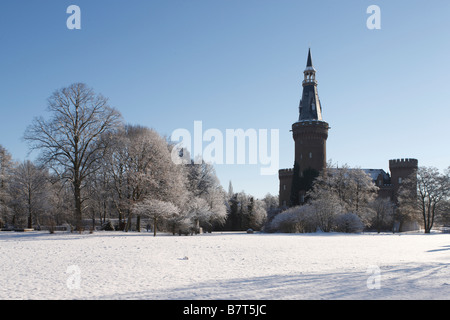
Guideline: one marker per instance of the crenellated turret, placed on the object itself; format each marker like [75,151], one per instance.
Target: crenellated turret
[401,170]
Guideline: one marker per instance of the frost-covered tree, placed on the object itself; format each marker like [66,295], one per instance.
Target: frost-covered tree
[31,192]
[270,202]
[198,211]
[363,192]
[140,167]
[217,209]
[201,177]
[258,215]
[6,166]
[70,140]
[430,196]
[326,206]
[202,183]
[156,210]
[230,190]
[353,189]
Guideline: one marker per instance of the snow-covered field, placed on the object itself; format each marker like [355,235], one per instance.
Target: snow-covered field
[117,265]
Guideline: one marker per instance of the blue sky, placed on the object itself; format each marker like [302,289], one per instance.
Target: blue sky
[238,64]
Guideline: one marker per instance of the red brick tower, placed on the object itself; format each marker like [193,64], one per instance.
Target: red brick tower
[310,134]
[402,170]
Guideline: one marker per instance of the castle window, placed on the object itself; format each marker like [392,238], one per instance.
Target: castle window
[284,187]
[399,180]
[310,155]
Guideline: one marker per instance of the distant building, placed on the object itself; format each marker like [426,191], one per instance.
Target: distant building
[310,135]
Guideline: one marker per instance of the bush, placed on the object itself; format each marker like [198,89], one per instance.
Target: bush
[107,226]
[348,223]
[297,219]
[286,222]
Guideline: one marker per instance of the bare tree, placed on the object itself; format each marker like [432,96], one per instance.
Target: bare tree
[201,178]
[445,207]
[433,191]
[70,141]
[99,202]
[5,174]
[30,186]
[115,166]
[384,214]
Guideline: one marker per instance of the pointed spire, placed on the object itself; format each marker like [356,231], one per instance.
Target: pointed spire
[310,108]
[309,63]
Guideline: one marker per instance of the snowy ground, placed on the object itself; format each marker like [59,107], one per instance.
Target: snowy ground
[116,265]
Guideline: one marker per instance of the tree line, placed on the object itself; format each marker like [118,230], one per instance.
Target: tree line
[346,200]
[93,167]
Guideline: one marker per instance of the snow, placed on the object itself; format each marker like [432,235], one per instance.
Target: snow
[117,265]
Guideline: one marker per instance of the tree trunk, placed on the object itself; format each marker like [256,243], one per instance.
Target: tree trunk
[128,225]
[30,211]
[138,223]
[154,227]
[78,213]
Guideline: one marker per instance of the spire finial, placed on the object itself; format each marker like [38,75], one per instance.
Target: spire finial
[309,63]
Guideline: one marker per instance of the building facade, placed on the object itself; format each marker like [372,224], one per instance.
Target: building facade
[310,135]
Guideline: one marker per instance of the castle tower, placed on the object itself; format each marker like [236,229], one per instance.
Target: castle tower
[310,134]
[401,170]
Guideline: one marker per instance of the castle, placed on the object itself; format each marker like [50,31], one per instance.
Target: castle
[310,135]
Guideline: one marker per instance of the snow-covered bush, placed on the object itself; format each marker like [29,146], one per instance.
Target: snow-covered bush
[348,223]
[286,222]
[293,220]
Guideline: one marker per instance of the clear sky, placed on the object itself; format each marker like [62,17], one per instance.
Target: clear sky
[238,64]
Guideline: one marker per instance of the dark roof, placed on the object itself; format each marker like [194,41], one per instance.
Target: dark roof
[310,107]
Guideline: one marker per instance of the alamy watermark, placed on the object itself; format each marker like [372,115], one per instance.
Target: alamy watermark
[374,20]
[74,20]
[236,146]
